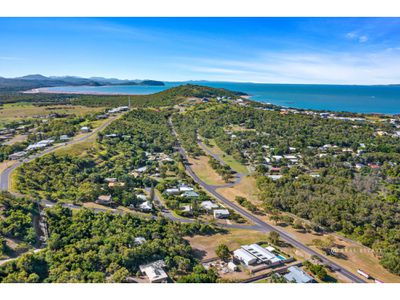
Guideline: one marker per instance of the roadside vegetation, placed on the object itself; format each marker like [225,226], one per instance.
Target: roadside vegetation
[100,247]
[342,176]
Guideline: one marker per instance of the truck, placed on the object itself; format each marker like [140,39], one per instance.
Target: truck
[362,273]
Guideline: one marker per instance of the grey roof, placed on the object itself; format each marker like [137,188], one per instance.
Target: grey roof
[298,275]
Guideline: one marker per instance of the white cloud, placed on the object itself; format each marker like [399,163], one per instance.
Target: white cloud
[361,38]
[284,67]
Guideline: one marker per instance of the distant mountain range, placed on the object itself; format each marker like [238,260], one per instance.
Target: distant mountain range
[38,81]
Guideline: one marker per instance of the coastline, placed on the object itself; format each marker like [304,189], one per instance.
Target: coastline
[46,90]
[248,97]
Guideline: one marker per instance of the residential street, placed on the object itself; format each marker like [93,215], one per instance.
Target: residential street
[261,224]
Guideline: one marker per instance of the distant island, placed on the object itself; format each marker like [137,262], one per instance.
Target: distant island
[39,81]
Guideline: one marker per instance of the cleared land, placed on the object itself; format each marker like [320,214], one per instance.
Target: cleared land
[228,159]
[17,139]
[16,111]
[204,246]
[206,173]
[245,188]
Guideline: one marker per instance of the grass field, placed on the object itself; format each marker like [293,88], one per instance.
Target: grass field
[205,245]
[203,169]
[17,111]
[228,159]
[246,188]
[79,148]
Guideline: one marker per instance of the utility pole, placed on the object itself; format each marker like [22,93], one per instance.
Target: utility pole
[129,101]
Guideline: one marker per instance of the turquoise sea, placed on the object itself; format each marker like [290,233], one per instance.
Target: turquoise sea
[352,98]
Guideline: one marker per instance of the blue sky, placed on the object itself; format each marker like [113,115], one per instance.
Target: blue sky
[276,50]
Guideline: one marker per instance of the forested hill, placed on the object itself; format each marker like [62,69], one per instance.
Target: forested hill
[38,81]
[168,97]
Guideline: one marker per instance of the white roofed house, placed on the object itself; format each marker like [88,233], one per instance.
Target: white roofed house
[85,129]
[298,275]
[255,254]
[146,206]
[139,240]
[186,209]
[64,137]
[262,254]
[185,188]
[244,257]
[104,200]
[221,213]
[190,194]
[172,191]
[142,197]
[17,155]
[154,271]
[208,205]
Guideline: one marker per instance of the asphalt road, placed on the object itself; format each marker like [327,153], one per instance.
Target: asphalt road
[259,224]
[6,174]
[265,227]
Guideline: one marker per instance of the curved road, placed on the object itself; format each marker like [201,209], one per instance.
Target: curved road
[263,226]
[6,174]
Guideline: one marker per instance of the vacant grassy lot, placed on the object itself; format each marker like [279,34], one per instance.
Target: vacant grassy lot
[228,159]
[245,188]
[16,111]
[203,169]
[204,246]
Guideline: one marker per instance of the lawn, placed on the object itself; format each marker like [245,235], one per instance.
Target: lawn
[228,159]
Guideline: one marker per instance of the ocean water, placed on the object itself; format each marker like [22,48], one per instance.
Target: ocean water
[352,98]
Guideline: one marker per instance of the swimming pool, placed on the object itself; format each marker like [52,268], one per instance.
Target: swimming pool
[280,257]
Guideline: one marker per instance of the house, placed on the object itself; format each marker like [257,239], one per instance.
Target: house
[221,213]
[17,155]
[104,200]
[232,266]
[373,166]
[172,191]
[116,184]
[110,179]
[277,157]
[244,257]
[142,197]
[185,188]
[262,254]
[270,249]
[190,194]
[359,166]
[154,271]
[187,209]
[141,170]
[146,206]
[275,177]
[103,116]
[85,129]
[64,137]
[298,275]
[208,205]
[41,144]
[139,240]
